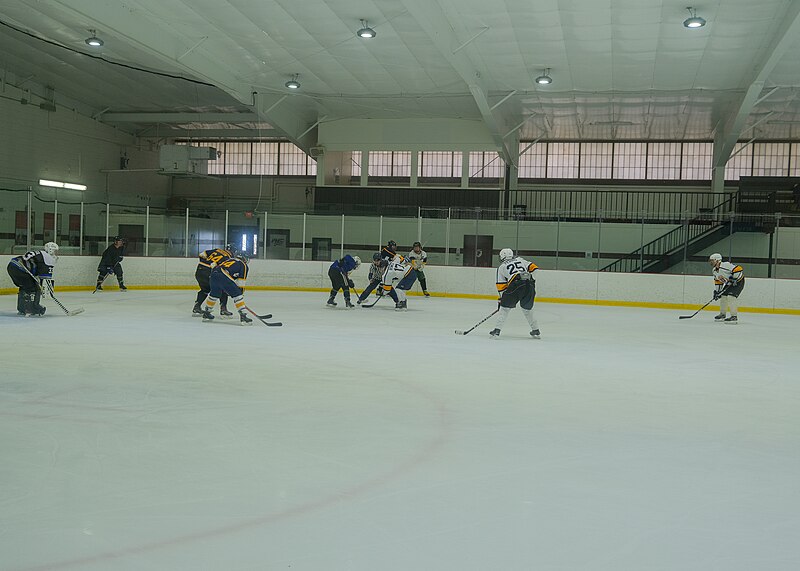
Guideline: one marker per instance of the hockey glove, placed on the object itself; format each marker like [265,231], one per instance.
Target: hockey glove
[717,295]
[351,284]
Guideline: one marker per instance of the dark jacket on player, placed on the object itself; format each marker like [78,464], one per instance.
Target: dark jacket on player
[344,265]
[111,256]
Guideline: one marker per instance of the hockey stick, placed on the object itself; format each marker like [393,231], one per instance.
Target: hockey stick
[696,312]
[458,332]
[263,318]
[52,295]
[374,302]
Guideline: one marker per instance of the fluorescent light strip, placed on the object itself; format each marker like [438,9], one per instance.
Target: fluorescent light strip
[58,184]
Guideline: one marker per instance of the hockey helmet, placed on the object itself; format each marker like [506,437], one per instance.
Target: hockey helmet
[392,245]
[714,259]
[357,260]
[376,256]
[242,256]
[416,244]
[51,248]
[118,239]
[506,254]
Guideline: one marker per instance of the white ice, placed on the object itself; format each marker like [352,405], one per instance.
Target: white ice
[135,437]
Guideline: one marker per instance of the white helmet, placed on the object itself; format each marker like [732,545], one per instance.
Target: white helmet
[51,248]
[506,254]
[715,258]
[357,260]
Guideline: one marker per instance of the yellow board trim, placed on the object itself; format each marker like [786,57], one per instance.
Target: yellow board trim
[561,300]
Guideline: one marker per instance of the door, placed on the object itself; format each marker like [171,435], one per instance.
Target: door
[133,234]
[277,245]
[244,239]
[478,251]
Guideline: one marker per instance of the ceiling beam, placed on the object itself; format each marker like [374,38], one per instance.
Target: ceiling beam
[730,128]
[247,117]
[197,59]
[176,133]
[431,18]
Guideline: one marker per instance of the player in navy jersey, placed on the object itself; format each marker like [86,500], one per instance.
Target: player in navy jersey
[515,284]
[111,263]
[207,261]
[26,270]
[228,277]
[339,274]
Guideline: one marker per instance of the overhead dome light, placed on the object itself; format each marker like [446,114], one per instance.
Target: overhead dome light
[93,40]
[545,78]
[693,21]
[293,83]
[365,31]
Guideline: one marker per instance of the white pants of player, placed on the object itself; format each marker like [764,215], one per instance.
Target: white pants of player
[528,313]
[728,303]
[390,278]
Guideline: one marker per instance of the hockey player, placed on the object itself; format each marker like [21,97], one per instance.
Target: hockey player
[375,275]
[111,263]
[207,261]
[28,269]
[228,277]
[515,284]
[396,271]
[419,259]
[728,284]
[389,251]
[339,274]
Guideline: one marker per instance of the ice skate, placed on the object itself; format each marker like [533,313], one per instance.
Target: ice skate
[207,315]
[425,293]
[495,333]
[197,310]
[732,320]
[400,306]
[244,319]
[223,312]
[720,317]
[122,287]
[535,334]
[331,303]
[348,305]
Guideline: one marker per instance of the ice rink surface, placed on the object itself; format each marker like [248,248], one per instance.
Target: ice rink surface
[135,437]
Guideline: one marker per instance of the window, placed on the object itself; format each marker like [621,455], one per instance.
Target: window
[696,161]
[439,164]
[533,161]
[292,160]
[664,161]
[265,158]
[770,159]
[380,163]
[596,160]
[562,160]
[740,164]
[237,158]
[630,161]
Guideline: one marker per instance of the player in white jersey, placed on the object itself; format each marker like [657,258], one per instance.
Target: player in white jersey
[32,273]
[728,284]
[395,271]
[418,260]
[515,284]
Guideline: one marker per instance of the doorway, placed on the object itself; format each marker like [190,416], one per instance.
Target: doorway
[478,251]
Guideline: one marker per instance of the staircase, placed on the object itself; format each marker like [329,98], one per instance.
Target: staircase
[686,240]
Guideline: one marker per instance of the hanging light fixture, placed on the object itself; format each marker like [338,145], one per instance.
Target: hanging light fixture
[365,31]
[93,40]
[545,78]
[293,83]
[693,21]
